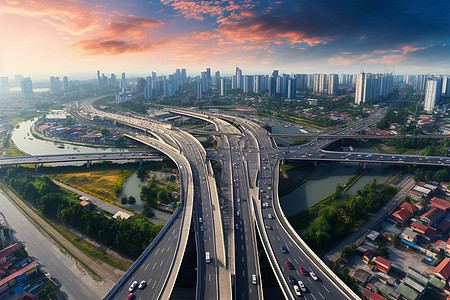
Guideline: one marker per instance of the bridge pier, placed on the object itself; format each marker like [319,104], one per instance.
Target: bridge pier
[141,161]
[363,165]
[88,164]
[36,167]
[315,163]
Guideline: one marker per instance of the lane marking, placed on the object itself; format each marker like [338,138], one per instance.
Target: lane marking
[278,237]
[146,267]
[296,261]
[157,250]
[300,258]
[321,295]
[313,296]
[154,266]
[161,263]
[156,282]
[83,292]
[326,288]
[168,249]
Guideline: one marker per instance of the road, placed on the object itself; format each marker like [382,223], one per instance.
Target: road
[75,283]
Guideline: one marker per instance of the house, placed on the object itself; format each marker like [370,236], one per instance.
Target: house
[440,203]
[442,271]
[361,276]
[382,264]
[371,295]
[408,206]
[17,277]
[406,292]
[430,233]
[415,195]
[425,191]
[447,247]
[443,226]
[402,215]
[368,255]
[440,245]
[419,206]
[432,215]
[418,227]
[409,235]
[8,252]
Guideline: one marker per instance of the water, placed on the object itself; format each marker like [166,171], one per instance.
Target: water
[37,90]
[25,141]
[324,181]
[132,187]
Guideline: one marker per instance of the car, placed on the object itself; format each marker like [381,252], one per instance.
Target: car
[313,276]
[291,279]
[268,227]
[297,291]
[270,216]
[238,213]
[133,286]
[254,279]
[265,204]
[237,226]
[303,271]
[130,296]
[142,285]
[202,228]
[283,249]
[289,265]
[200,220]
[302,286]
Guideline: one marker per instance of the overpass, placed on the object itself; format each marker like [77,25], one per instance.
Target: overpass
[357,136]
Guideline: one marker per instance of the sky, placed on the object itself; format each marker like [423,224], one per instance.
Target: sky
[41,38]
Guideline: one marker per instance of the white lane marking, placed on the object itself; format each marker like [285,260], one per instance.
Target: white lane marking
[173,231]
[83,292]
[163,249]
[300,258]
[161,263]
[169,238]
[278,237]
[168,249]
[154,284]
[313,296]
[290,243]
[68,277]
[321,295]
[296,261]
[326,288]
[154,266]
[157,250]
[209,277]
[309,280]
[146,267]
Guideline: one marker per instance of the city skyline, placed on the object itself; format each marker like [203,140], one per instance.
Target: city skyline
[70,37]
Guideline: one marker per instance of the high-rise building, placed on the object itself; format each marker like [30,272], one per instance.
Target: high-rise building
[291,88]
[248,83]
[27,87]
[320,83]
[183,75]
[217,79]
[99,81]
[141,84]
[257,84]
[273,85]
[113,80]
[208,73]
[199,91]
[65,83]
[55,85]
[18,78]
[445,86]
[333,81]
[223,87]
[302,81]
[4,83]
[148,88]
[238,78]
[123,96]
[123,82]
[432,93]
[372,86]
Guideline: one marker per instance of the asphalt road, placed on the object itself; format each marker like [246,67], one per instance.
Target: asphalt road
[75,283]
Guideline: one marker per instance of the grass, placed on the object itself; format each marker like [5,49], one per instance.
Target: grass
[102,183]
[286,167]
[11,149]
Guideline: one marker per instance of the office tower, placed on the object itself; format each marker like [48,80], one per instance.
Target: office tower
[27,87]
[223,87]
[183,75]
[272,85]
[291,88]
[113,79]
[99,81]
[257,84]
[360,91]
[208,73]
[18,80]
[233,82]
[445,85]
[4,83]
[148,88]
[238,78]
[154,76]
[247,83]
[333,81]
[123,82]
[141,84]
[199,91]
[275,73]
[177,74]
[55,85]
[217,79]
[386,84]
[65,83]
[421,82]
[311,80]
[432,93]
[372,86]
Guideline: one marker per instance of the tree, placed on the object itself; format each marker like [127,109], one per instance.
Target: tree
[105,132]
[124,200]
[141,173]
[395,239]
[131,200]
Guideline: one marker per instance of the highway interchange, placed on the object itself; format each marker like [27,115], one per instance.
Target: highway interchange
[250,160]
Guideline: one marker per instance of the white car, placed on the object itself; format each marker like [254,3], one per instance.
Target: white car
[297,291]
[133,286]
[313,276]
[270,216]
[302,286]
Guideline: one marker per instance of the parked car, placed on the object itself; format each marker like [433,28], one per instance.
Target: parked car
[133,286]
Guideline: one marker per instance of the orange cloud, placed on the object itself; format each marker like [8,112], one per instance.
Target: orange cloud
[131,26]
[69,16]
[116,47]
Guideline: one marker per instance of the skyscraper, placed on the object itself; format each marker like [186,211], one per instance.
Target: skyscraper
[432,93]
[183,75]
[372,86]
[65,83]
[223,87]
[27,87]
[217,79]
[238,78]
[291,88]
[333,80]
[148,88]
[123,82]
[113,80]
[18,80]
[199,91]
[4,83]
[55,85]
[445,85]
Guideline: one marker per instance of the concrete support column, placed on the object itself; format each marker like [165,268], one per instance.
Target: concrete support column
[141,161]
[88,164]
[364,166]
[315,163]
[36,167]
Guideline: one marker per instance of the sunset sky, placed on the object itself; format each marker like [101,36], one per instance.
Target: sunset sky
[40,38]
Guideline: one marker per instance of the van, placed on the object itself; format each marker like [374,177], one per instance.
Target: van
[200,220]
[208,258]
[254,279]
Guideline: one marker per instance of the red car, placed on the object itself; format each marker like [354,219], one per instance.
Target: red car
[303,271]
[130,296]
[289,265]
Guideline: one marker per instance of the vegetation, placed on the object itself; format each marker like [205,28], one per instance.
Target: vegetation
[210,143]
[155,193]
[429,174]
[48,292]
[339,217]
[301,142]
[399,116]
[10,148]
[431,147]
[129,237]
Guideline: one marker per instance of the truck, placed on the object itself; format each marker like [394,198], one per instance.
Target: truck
[208,258]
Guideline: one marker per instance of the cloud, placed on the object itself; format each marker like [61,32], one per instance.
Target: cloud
[69,16]
[131,26]
[116,47]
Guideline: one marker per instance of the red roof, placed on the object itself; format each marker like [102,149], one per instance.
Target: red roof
[383,262]
[440,203]
[18,273]
[420,227]
[415,193]
[430,232]
[408,206]
[371,295]
[432,214]
[84,203]
[402,215]
[443,226]
[421,183]
[9,250]
[443,268]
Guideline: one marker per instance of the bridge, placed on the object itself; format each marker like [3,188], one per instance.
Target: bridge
[357,136]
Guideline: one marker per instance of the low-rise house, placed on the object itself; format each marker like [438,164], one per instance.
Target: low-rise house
[361,276]
[368,255]
[17,277]
[423,190]
[442,271]
[371,295]
[382,264]
[415,194]
[440,203]
[409,207]
[443,226]
[8,253]
[440,245]
[419,228]
[432,215]
[402,215]
[409,235]
[406,292]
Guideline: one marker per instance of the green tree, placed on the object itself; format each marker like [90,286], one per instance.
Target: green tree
[131,200]
[141,173]
[124,200]
[395,239]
